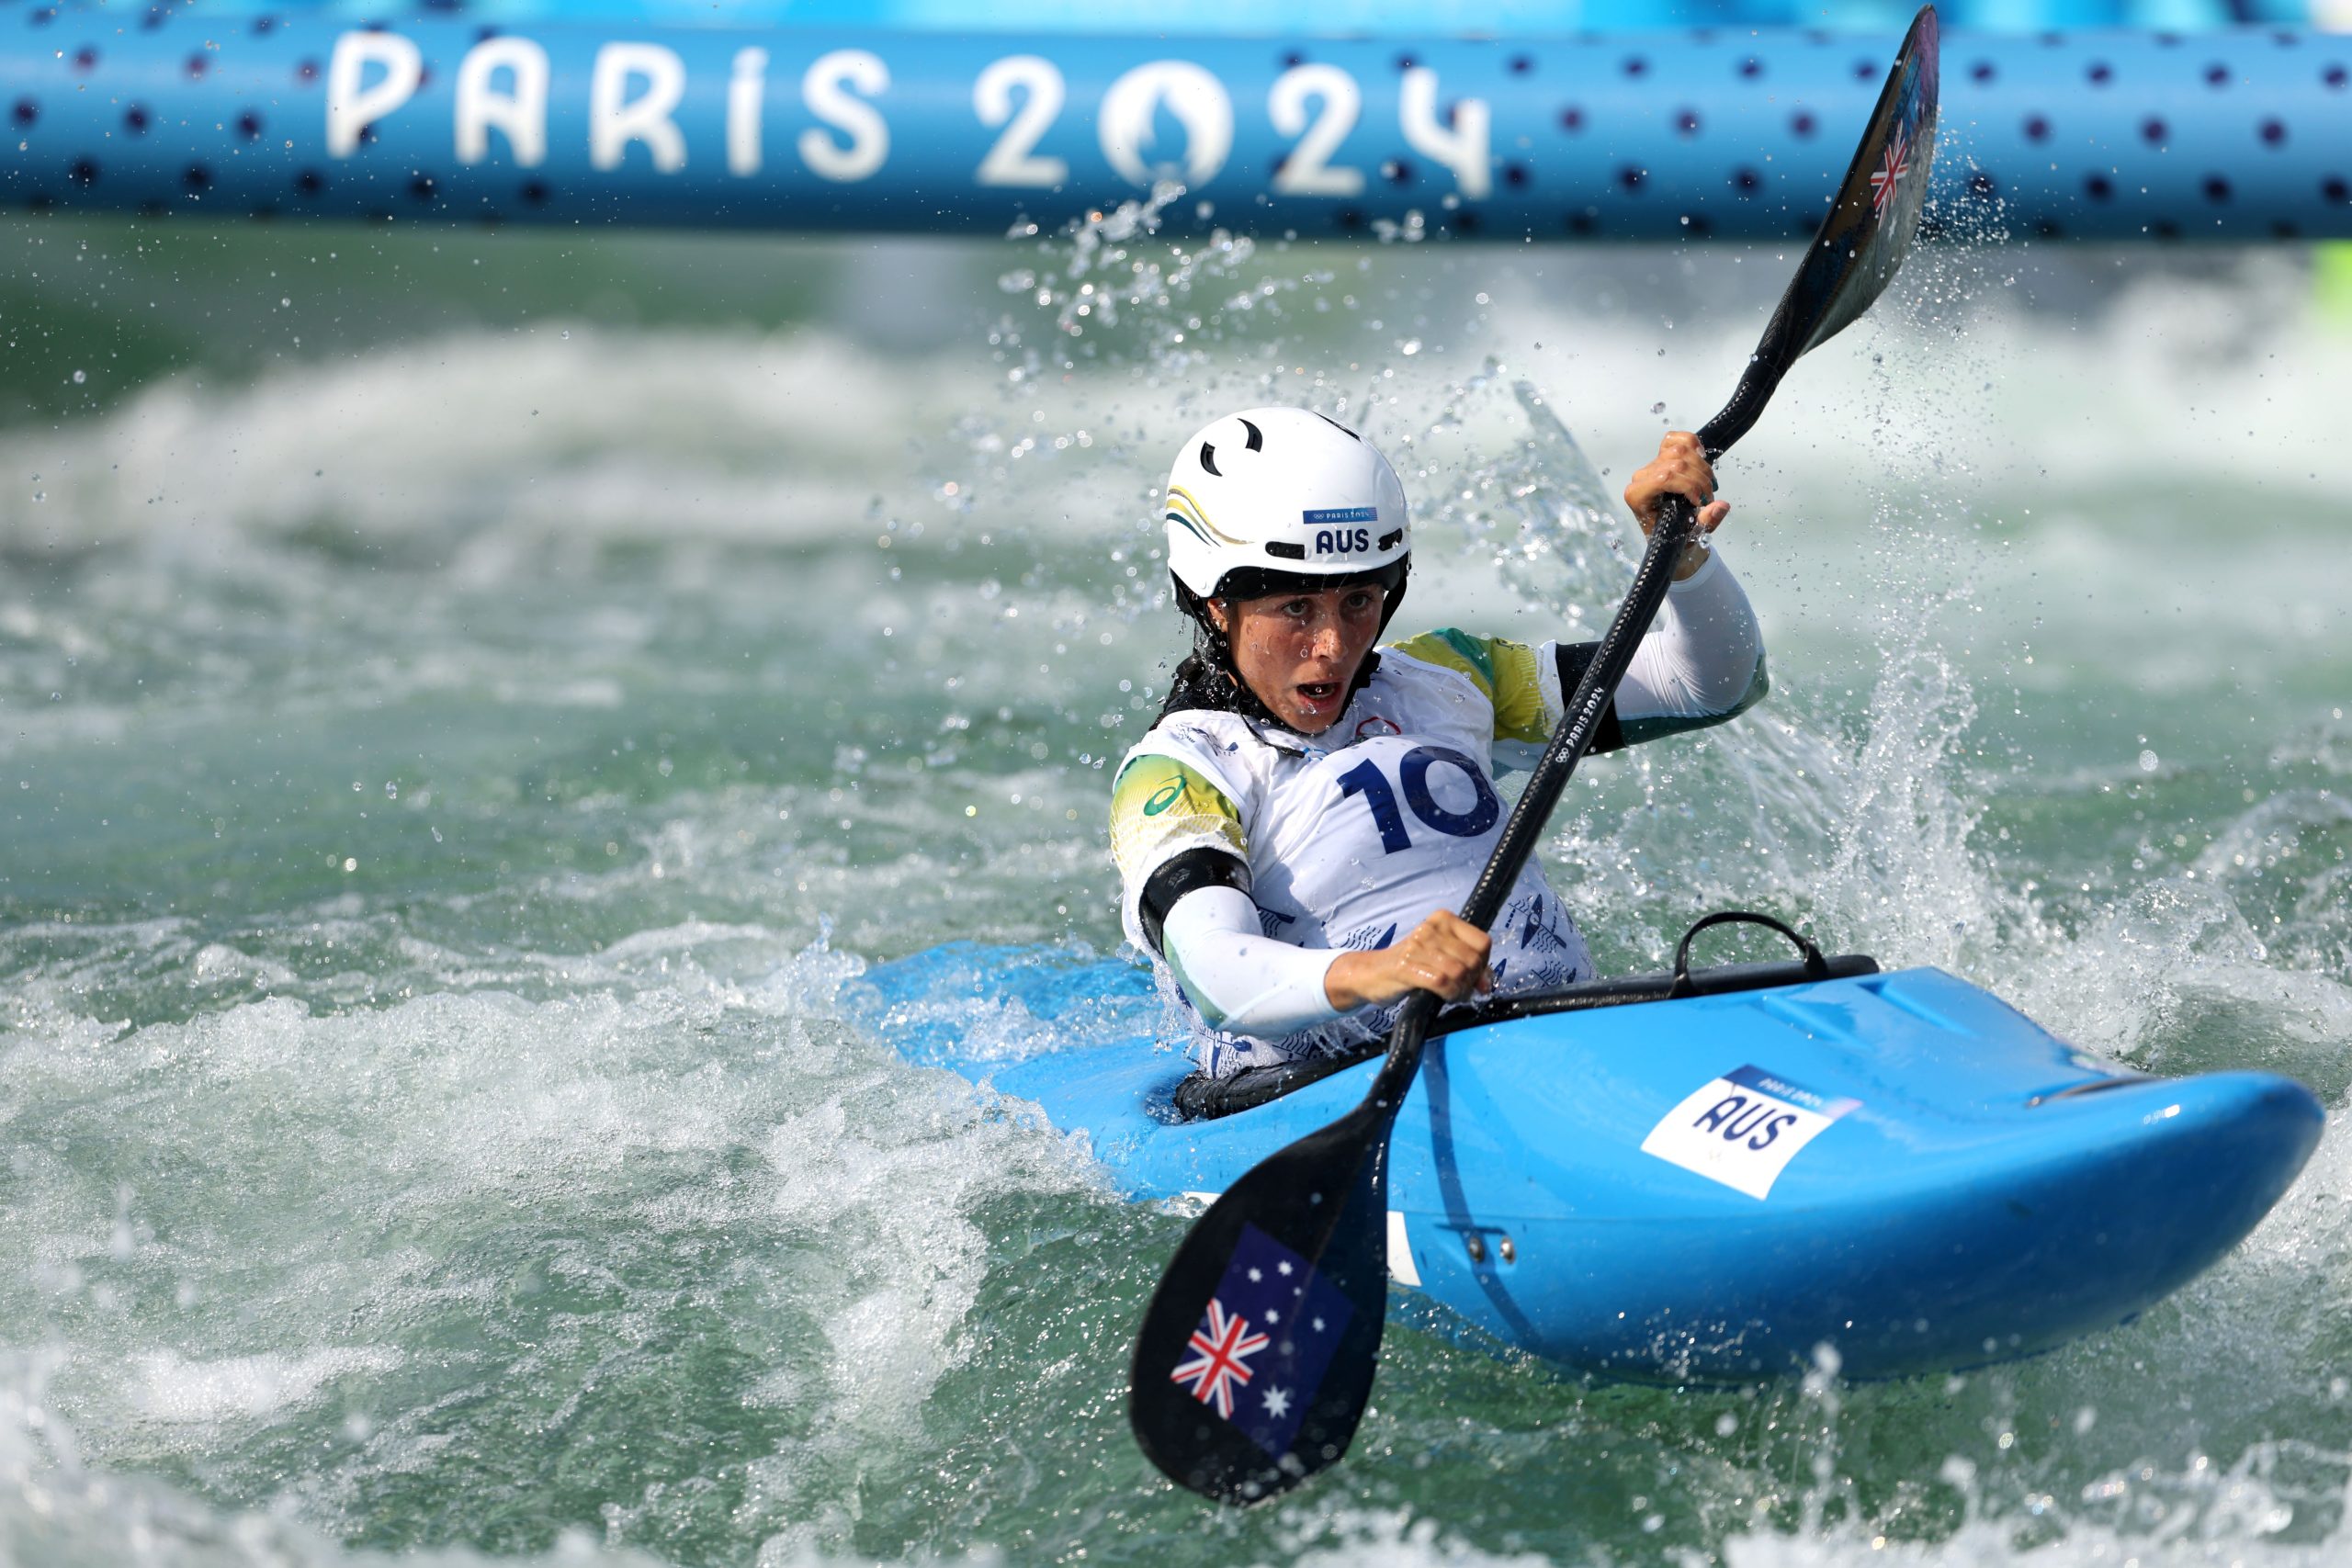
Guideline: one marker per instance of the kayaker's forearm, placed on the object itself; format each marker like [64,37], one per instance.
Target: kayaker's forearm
[1703,663]
[1353,979]
[1241,979]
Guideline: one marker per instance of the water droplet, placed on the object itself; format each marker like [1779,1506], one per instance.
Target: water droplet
[1657,408]
[80,377]
[2148,762]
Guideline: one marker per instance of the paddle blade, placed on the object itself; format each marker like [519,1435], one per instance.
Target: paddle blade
[1871,224]
[1257,1353]
[1863,240]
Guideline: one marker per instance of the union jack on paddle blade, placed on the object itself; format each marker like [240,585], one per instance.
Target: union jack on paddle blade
[1221,1348]
[1884,180]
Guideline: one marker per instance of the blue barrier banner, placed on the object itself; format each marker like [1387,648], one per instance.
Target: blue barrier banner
[1304,18]
[2237,135]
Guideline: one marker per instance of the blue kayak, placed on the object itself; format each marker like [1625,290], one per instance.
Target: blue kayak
[1898,1166]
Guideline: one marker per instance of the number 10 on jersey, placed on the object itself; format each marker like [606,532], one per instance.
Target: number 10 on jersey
[1365,779]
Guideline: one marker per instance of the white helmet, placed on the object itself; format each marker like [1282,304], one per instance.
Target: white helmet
[1269,500]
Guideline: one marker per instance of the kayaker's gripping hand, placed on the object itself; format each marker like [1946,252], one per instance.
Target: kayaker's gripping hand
[1444,954]
[1680,468]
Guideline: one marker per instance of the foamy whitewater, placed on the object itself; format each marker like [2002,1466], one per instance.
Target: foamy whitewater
[472,709]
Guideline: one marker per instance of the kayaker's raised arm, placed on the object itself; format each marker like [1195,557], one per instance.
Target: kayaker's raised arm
[1702,663]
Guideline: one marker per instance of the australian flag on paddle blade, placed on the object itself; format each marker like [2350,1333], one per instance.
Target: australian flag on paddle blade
[1261,1352]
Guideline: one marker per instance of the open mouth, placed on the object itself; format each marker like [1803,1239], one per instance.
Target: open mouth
[1317,695]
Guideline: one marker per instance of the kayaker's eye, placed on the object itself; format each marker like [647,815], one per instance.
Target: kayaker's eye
[1362,602]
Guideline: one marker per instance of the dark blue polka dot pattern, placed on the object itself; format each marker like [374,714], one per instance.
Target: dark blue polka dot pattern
[142,107]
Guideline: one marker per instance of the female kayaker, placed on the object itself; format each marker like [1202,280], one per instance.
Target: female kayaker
[1296,828]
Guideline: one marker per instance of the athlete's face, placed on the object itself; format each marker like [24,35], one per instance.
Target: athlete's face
[1300,651]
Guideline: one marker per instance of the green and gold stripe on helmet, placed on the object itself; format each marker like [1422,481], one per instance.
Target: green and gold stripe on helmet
[1183,510]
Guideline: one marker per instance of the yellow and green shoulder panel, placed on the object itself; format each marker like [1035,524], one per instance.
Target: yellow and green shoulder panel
[1507,672]
[1159,807]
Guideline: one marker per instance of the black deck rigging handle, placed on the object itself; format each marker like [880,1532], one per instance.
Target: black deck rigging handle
[1816,967]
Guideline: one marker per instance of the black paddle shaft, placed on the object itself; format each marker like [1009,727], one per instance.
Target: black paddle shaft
[1257,1353]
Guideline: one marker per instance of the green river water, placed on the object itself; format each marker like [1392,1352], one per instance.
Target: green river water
[471,707]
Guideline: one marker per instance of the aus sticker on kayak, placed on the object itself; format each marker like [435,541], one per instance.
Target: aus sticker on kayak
[1742,1128]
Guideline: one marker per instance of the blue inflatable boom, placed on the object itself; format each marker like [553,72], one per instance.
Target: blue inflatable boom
[2237,135]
